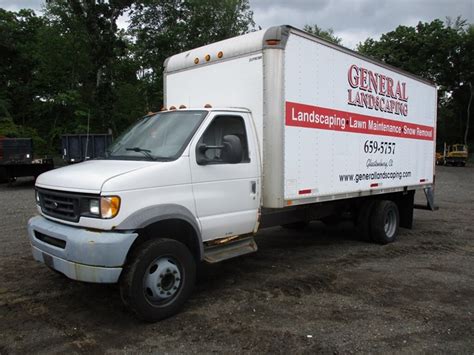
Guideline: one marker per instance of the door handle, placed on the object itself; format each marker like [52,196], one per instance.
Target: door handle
[253,187]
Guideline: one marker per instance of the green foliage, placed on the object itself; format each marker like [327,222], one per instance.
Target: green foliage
[73,68]
[325,34]
[164,28]
[442,53]
[11,130]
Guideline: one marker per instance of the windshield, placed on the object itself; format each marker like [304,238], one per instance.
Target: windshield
[158,137]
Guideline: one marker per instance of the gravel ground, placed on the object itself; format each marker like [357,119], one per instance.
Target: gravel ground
[318,290]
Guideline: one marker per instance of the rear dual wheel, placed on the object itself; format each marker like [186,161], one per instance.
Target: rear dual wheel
[378,221]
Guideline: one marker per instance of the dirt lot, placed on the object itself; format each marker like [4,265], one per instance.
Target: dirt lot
[319,290]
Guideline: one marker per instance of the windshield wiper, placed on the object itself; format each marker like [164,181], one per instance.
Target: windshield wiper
[146,152]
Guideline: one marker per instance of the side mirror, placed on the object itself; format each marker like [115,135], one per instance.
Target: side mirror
[232,152]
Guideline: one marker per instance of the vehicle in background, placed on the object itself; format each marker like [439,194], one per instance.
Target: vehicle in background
[454,154]
[275,127]
[16,160]
[81,147]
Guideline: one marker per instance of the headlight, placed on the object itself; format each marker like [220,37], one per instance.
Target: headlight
[94,207]
[109,206]
[101,207]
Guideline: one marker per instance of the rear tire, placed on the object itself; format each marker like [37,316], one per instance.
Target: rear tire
[331,220]
[158,280]
[364,219]
[385,221]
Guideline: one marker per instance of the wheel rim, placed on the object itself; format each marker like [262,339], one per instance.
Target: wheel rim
[390,224]
[162,280]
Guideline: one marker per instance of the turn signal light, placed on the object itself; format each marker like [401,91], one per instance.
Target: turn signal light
[109,206]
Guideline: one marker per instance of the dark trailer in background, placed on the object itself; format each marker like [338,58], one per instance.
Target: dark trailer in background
[80,147]
[16,159]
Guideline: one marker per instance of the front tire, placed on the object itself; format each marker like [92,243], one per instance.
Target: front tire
[296,225]
[158,280]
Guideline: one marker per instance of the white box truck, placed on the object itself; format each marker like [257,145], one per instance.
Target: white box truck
[275,127]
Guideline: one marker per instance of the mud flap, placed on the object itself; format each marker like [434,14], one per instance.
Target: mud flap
[430,204]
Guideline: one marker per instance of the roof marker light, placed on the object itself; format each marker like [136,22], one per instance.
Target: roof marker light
[220,55]
[272,42]
[172,108]
[207,57]
[163,108]
[181,107]
[196,60]
[207,106]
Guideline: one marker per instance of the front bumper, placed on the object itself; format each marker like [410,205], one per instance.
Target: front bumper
[80,254]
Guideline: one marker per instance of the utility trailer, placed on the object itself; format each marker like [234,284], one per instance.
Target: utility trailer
[80,147]
[16,160]
[275,127]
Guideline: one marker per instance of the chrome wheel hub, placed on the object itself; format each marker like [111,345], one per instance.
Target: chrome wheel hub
[162,280]
[390,224]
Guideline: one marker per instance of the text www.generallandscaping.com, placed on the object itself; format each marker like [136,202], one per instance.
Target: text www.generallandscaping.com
[375,176]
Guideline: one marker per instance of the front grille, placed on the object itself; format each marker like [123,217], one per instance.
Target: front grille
[60,205]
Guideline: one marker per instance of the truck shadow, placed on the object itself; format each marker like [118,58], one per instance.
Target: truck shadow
[281,249]
[282,254]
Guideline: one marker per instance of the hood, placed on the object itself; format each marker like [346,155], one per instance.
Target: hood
[88,176]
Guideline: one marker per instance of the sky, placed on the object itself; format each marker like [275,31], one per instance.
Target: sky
[352,20]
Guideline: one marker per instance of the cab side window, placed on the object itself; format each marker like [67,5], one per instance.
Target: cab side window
[222,126]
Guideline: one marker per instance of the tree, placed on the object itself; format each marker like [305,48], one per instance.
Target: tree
[326,34]
[164,28]
[467,73]
[441,53]
[18,60]
[94,24]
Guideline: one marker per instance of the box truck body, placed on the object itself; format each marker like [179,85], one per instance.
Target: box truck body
[274,127]
[331,123]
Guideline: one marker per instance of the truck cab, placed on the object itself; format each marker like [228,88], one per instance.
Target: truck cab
[188,176]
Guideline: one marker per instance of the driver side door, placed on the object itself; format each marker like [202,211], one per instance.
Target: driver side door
[227,196]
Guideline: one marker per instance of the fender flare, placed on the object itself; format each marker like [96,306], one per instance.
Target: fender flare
[152,214]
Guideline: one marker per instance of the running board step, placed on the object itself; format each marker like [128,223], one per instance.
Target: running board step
[216,253]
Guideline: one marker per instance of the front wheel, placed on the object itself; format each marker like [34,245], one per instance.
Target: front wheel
[296,225]
[159,279]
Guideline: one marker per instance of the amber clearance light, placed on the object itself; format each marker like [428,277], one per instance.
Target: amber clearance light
[273,42]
